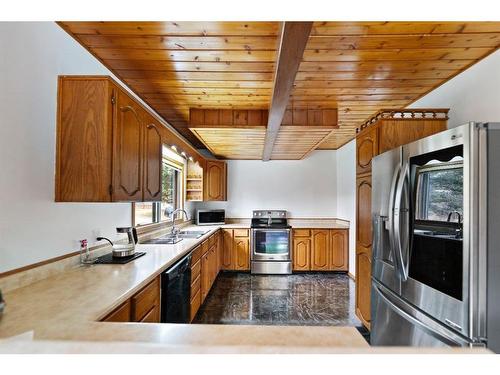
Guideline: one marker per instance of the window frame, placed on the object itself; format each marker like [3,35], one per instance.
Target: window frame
[157,205]
[420,203]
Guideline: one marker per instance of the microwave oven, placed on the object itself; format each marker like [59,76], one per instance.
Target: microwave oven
[210,217]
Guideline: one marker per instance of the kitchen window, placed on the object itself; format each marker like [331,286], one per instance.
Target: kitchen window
[145,213]
[439,191]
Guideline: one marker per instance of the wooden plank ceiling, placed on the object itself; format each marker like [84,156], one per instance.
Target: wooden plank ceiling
[356,67]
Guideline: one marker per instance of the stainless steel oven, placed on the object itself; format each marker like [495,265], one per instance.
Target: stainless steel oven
[270,243]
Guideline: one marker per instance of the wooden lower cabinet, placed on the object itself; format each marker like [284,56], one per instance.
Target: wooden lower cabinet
[120,314]
[320,250]
[363,286]
[236,250]
[301,257]
[143,307]
[205,270]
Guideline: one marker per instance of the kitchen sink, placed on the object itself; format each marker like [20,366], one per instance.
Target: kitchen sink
[170,240]
[191,233]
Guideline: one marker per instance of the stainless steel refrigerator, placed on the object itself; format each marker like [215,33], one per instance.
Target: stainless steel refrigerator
[436,240]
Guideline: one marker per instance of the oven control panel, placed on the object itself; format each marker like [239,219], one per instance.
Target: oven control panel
[273,214]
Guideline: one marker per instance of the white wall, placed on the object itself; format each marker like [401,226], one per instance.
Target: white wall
[32,227]
[473,95]
[346,194]
[306,188]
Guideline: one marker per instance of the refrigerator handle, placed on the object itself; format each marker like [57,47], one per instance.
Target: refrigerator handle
[390,219]
[397,229]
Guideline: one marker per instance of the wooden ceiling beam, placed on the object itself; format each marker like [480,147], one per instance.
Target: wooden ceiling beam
[292,43]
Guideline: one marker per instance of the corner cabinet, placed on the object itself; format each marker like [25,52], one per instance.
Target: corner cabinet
[214,180]
[386,130]
[109,148]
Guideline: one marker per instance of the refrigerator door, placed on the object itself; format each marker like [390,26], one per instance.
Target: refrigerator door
[400,324]
[385,173]
[436,254]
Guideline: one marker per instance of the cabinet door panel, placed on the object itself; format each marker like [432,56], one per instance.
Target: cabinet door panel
[366,149]
[339,243]
[363,286]
[127,169]
[215,180]
[241,249]
[320,250]
[301,254]
[152,162]
[227,250]
[205,275]
[363,214]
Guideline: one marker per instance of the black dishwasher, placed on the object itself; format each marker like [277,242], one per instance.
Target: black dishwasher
[176,292]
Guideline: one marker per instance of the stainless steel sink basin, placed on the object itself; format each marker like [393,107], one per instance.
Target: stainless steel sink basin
[191,233]
[170,240]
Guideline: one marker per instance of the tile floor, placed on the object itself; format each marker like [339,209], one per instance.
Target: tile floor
[300,299]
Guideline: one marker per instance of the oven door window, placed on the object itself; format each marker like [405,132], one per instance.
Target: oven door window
[436,256]
[271,242]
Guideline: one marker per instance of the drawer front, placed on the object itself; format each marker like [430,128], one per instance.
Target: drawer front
[145,300]
[196,254]
[195,270]
[196,285]
[152,316]
[195,304]
[302,233]
[120,314]
[240,232]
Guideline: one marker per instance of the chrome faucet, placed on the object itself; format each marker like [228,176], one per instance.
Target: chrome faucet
[175,231]
[459,217]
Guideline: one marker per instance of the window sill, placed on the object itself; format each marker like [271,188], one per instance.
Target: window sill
[146,228]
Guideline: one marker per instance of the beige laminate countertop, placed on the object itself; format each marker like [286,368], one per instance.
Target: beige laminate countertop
[68,306]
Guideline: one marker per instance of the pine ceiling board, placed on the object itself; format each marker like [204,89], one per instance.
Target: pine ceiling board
[396,54]
[395,28]
[292,143]
[359,91]
[165,84]
[173,28]
[378,42]
[184,55]
[391,65]
[192,66]
[377,75]
[369,84]
[195,76]
[235,143]
[245,43]
[210,91]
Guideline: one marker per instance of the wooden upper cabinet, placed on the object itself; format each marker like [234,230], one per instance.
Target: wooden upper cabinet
[84,140]
[363,211]
[320,250]
[152,160]
[214,180]
[395,133]
[366,149]
[109,147]
[127,161]
[339,256]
